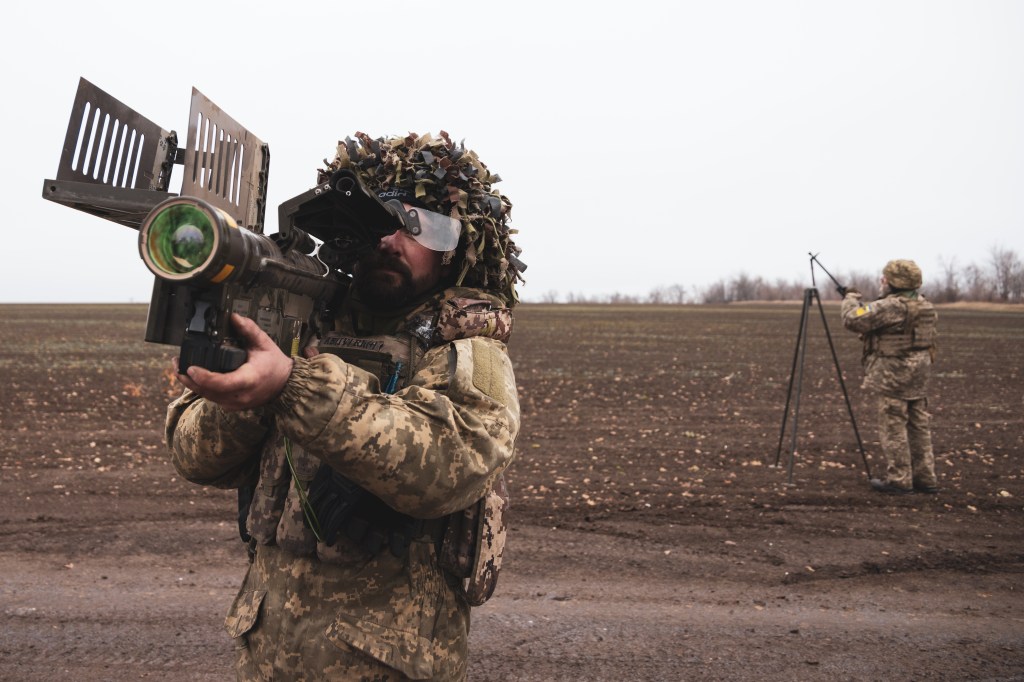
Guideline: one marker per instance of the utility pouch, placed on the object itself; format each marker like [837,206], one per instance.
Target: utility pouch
[463,318]
[330,500]
[474,543]
[245,495]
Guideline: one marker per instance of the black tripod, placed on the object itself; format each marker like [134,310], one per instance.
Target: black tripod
[797,373]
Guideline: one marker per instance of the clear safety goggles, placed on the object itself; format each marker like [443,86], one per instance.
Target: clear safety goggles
[435,231]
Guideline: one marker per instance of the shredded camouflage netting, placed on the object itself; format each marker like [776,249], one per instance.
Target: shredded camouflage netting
[448,179]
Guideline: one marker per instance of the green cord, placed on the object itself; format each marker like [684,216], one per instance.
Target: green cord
[307,509]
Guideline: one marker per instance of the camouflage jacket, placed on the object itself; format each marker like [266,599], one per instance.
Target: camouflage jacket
[431,448]
[898,331]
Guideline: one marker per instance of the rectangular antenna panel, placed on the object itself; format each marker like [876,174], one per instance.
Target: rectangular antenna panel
[225,164]
[116,163]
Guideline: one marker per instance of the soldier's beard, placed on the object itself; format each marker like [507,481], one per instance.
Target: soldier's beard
[383,282]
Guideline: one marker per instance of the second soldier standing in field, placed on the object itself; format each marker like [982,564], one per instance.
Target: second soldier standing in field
[899,330]
[375,466]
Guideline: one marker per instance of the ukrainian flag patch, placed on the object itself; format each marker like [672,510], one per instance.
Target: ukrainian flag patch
[861,311]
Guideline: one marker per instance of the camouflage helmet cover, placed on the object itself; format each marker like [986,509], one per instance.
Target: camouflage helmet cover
[902,274]
[449,179]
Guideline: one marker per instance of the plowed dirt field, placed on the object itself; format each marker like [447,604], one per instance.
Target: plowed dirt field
[652,537]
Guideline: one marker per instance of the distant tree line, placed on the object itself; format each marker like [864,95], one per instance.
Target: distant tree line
[1001,279]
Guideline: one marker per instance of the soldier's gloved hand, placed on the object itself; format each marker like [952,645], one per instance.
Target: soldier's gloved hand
[842,290]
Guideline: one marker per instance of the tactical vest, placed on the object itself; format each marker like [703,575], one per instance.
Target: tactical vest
[470,542]
[918,332]
[394,358]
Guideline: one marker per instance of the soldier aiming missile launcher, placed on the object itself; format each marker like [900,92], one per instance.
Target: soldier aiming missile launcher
[205,244]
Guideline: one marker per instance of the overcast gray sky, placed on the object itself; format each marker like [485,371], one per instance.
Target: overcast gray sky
[642,143]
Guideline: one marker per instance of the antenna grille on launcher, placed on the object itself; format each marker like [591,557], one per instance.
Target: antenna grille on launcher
[109,143]
[223,162]
[117,164]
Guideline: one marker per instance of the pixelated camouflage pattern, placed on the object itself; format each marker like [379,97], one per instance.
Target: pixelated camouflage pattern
[918,331]
[429,449]
[272,492]
[296,618]
[902,374]
[432,448]
[902,274]
[899,336]
[905,434]
[456,553]
[489,545]
[378,354]
[213,446]
[474,544]
[461,318]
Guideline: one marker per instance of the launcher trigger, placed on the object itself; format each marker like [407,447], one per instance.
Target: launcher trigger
[203,319]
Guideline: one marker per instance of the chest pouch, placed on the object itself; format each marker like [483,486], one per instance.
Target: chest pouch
[474,543]
[389,358]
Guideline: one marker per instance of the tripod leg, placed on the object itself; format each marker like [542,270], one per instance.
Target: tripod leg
[799,382]
[800,335]
[842,384]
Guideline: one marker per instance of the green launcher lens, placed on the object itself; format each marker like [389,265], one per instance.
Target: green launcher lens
[180,239]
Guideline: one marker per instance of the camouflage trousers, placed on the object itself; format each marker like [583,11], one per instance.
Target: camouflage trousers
[285,624]
[905,433]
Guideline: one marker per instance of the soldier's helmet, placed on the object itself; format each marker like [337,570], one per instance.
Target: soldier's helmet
[902,274]
[449,179]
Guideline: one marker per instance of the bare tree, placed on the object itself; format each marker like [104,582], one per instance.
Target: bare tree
[744,288]
[1002,280]
[1006,272]
[947,289]
[782,290]
[675,294]
[715,293]
[623,299]
[576,297]
[657,296]
[976,284]
[1017,286]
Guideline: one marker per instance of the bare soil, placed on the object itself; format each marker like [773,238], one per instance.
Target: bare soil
[652,539]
